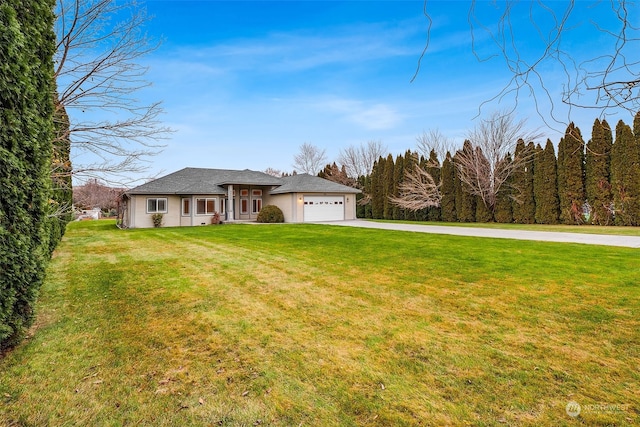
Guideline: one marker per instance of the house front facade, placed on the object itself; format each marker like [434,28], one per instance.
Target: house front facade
[192,196]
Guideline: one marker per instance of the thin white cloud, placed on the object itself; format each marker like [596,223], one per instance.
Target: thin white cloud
[304,50]
[368,116]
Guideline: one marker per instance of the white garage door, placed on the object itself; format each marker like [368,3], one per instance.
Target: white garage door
[323,208]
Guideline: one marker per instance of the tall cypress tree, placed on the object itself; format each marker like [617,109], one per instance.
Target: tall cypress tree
[432,166]
[422,214]
[377,193]
[597,173]
[409,163]
[561,175]
[635,170]
[483,214]
[572,194]
[524,208]
[465,201]
[546,185]
[27,45]
[398,177]
[504,211]
[448,190]
[361,209]
[624,176]
[388,187]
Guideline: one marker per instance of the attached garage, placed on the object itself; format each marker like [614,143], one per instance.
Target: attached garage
[323,208]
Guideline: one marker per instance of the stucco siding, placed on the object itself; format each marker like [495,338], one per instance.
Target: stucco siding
[285,203]
[141,219]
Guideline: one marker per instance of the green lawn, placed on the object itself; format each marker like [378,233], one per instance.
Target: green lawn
[288,325]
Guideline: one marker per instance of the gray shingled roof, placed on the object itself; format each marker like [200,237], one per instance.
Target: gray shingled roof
[210,181]
[305,183]
[203,181]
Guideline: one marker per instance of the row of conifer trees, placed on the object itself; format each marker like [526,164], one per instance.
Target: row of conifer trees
[597,182]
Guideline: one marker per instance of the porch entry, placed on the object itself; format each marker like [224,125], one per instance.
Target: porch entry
[250,203]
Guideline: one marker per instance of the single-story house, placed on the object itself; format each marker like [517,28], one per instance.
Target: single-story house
[192,196]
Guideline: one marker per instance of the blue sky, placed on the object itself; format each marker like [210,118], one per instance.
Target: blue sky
[244,84]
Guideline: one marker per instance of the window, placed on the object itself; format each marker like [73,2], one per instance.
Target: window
[157,205]
[257,205]
[205,206]
[244,206]
[223,206]
[186,207]
[244,193]
[256,193]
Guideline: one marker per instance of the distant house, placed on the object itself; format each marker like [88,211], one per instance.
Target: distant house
[191,196]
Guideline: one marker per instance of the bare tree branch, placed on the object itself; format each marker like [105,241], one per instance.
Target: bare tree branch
[488,158]
[359,160]
[434,140]
[310,159]
[98,70]
[605,82]
[417,191]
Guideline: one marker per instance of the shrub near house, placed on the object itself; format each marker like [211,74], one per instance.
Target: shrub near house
[270,214]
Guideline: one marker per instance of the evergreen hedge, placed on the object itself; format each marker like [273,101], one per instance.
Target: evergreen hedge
[27,45]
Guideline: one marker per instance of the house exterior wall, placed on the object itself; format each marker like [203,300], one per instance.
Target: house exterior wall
[291,205]
[350,206]
[139,218]
[286,204]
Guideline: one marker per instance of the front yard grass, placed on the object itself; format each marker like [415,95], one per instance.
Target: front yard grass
[288,325]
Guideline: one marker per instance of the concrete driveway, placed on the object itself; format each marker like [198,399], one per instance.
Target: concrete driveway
[545,236]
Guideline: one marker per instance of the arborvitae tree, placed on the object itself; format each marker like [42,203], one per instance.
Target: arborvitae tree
[361,209]
[483,214]
[433,167]
[524,208]
[377,188]
[388,187]
[635,169]
[62,194]
[538,178]
[421,214]
[409,162]
[27,45]
[503,211]
[374,189]
[624,176]
[448,190]
[597,173]
[465,201]
[572,194]
[545,185]
[560,172]
[398,176]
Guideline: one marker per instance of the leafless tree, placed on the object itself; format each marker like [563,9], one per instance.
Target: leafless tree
[95,194]
[273,172]
[488,157]
[309,159]
[434,140]
[418,190]
[358,160]
[98,73]
[606,82]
